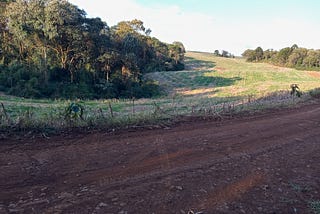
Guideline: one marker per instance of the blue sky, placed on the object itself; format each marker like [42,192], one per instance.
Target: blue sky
[243,8]
[207,25]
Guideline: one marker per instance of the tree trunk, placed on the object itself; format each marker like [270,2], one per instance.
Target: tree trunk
[71,75]
[107,74]
[64,61]
[45,66]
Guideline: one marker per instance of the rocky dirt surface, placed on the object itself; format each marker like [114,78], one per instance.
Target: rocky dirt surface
[266,163]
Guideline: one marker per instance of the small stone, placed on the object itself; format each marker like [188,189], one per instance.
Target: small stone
[12,205]
[114,199]
[179,188]
[65,195]
[84,189]
[101,204]
[16,210]
[265,187]
[44,189]
[122,204]
[204,191]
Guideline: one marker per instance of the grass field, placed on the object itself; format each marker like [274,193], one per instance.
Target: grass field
[211,76]
[209,86]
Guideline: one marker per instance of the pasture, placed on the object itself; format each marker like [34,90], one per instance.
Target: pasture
[210,87]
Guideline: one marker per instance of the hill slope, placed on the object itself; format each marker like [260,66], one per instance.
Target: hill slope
[211,76]
[210,86]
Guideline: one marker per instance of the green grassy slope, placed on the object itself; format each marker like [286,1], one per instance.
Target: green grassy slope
[208,87]
[212,76]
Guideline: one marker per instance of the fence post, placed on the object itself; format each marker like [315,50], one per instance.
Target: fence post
[5,113]
[110,108]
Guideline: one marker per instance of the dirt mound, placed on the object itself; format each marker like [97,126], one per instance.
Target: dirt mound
[259,164]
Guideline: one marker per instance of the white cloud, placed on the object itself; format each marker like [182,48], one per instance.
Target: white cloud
[206,32]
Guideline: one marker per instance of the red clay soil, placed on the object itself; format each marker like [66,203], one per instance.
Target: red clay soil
[267,163]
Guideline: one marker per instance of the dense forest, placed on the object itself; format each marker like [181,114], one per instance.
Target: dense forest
[293,57]
[50,48]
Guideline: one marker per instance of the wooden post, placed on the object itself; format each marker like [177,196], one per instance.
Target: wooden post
[133,110]
[110,108]
[5,113]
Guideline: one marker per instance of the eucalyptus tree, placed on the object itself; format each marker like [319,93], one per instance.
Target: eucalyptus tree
[64,29]
[177,52]
[216,53]
[283,55]
[312,59]
[130,40]
[297,57]
[107,63]
[57,40]
[258,54]
[27,24]
[18,15]
[5,38]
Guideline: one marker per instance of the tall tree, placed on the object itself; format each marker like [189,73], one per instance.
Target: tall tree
[312,59]
[258,54]
[64,28]
[297,56]
[249,54]
[283,55]
[177,52]
[5,37]
[18,16]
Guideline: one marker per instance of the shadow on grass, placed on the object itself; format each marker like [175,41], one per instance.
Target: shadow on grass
[195,64]
[202,85]
[195,79]
[215,81]
[191,83]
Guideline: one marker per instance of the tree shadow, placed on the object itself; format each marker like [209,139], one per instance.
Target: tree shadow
[200,81]
[215,81]
[196,64]
[202,85]
[199,78]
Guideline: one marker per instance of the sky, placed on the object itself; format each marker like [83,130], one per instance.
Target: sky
[208,25]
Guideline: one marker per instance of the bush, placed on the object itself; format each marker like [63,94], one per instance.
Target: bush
[20,80]
[151,89]
[104,89]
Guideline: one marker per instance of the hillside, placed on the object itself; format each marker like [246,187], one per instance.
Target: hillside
[187,152]
[209,87]
[216,77]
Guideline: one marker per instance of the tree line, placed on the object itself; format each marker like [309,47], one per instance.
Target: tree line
[293,57]
[223,53]
[50,48]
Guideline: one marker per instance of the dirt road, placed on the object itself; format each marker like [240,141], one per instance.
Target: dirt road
[267,163]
